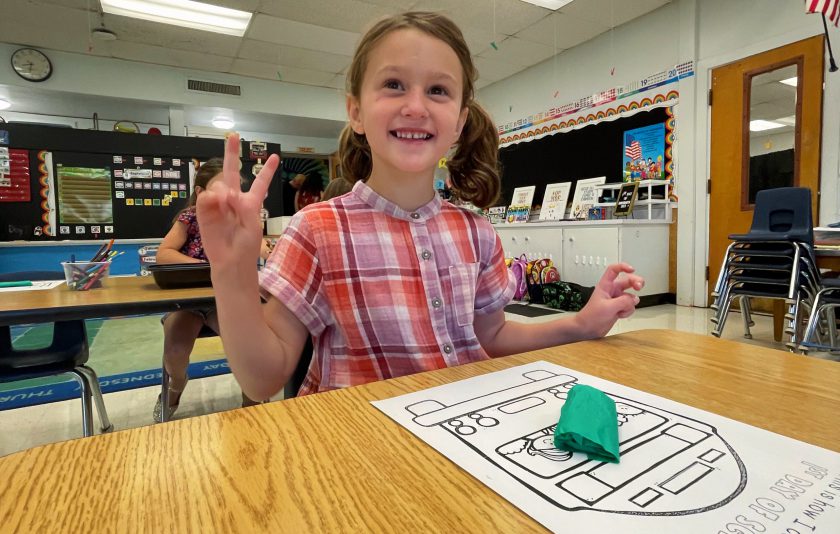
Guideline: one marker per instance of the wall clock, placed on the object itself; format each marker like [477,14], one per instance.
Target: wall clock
[31,65]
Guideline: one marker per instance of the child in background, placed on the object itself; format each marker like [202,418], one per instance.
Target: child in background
[183,244]
[336,188]
[388,280]
[309,191]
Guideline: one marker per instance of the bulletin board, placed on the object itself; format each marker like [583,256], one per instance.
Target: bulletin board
[82,184]
[596,150]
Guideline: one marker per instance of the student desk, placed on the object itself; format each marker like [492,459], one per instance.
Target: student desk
[133,295]
[333,462]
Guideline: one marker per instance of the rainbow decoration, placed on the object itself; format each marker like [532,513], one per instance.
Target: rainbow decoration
[45,180]
[671,75]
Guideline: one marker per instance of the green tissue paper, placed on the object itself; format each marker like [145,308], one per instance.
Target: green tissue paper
[589,424]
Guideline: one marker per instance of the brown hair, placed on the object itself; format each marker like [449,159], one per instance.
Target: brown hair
[336,188]
[208,170]
[473,169]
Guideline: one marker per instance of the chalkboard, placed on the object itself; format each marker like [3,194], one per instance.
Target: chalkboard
[626,198]
[85,184]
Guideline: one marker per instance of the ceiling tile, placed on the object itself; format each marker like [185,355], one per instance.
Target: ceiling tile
[569,31]
[166,35]
[269,71]
[293,57]
[520,52]
[167,56]
[302,35]
[510,15]
[348,15]
[44,26]
[611,12]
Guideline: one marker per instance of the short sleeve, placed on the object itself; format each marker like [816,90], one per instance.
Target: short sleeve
[495,285]
[186,217]
[293,276]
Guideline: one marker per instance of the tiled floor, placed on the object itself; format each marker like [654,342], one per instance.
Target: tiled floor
[37,425]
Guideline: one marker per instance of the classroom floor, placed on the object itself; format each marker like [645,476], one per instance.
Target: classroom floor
[36,425]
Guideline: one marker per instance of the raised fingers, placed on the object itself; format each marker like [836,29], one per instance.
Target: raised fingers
[231,163]
[260,186]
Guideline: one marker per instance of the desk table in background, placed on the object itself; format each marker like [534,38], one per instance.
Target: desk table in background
[333,462]
[130,295]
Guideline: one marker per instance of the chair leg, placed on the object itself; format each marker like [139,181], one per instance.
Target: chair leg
[164,393]
[745,316]
[104,421]
[87,409]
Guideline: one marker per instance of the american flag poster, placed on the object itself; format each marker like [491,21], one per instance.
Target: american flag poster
[644,153]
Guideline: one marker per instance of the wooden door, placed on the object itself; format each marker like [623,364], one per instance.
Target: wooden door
[731,99]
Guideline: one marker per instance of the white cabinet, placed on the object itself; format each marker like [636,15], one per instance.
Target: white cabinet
[581,250]
[586,251]
[533,242]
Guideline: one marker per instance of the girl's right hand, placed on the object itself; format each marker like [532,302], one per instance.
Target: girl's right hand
[231,229]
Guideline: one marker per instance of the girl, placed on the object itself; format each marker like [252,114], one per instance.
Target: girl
[309,191]
[183,244]
[388,280]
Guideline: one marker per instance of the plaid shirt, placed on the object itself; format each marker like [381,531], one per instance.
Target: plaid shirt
[385,292]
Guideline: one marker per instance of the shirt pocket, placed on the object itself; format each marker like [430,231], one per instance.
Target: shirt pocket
[462,283]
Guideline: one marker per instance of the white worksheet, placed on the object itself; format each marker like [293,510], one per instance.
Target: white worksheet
[37,285]
[682,469]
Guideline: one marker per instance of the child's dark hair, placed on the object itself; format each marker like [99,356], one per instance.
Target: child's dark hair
[208,170]
[313,183]
[474,167]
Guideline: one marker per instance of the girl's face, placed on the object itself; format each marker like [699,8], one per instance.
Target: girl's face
[199,189]
[409,106]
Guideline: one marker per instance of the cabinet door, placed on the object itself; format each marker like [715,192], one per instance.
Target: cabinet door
[586,252]
[535,243]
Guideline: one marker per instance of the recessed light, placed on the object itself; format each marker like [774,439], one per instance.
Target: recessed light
[789,81]
[760,125]
[5,104]
[223,123]
[184,13]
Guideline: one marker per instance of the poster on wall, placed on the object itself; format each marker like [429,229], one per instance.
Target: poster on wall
[555,200]
[586,196]
[644,153]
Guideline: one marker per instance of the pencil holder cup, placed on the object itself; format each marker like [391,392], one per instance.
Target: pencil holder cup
[84,275]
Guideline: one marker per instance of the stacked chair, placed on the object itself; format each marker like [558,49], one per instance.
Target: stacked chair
[775,260]
[821,332]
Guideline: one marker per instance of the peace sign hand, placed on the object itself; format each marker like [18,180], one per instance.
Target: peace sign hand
[229,219]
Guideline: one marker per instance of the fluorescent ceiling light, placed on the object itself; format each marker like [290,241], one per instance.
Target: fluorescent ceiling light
[5,104]
[760,125]
[554,5]
[223,123]
[789,81]
[182,13]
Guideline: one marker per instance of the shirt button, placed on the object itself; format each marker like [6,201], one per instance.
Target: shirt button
[436,303]
[447,348]
[415,216]
[426,255]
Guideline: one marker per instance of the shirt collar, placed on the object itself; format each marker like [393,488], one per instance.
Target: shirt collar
[380,203]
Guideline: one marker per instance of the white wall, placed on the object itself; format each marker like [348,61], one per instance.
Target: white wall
[712,33]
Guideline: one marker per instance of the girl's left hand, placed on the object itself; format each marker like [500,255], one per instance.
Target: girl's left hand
[610,301]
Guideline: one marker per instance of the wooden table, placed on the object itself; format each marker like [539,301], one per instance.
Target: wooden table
[131,295]
[333,462]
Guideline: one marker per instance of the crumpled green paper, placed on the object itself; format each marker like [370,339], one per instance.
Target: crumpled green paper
[589,424]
